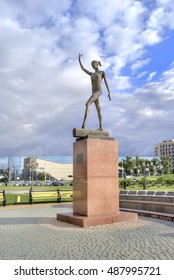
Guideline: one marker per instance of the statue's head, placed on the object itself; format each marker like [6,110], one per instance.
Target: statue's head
[95,64]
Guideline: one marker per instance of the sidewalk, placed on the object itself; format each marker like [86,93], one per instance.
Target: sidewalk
[32,232]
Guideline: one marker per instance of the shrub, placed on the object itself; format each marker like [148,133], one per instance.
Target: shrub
[169,181]
[159,180]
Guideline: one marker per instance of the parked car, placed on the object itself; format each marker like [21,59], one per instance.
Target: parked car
[26,183]
[133,179]
[16,183]
[56,183]
[48,183]
[37,183]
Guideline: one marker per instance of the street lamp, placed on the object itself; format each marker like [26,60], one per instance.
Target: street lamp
[144,184]
[145,169]
[9,171]
[122,169]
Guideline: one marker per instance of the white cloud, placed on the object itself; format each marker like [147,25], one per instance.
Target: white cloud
[151,75]
[142,74]
[151,37]
[139,64]
[120,83]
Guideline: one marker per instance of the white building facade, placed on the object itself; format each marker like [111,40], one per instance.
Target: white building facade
[55,167]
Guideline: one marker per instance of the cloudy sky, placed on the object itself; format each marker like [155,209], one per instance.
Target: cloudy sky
[43,90]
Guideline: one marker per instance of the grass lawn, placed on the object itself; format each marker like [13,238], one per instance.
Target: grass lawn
[24,199]
[11,199]
[155,183]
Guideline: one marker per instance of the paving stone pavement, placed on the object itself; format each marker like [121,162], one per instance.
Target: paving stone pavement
[33,233]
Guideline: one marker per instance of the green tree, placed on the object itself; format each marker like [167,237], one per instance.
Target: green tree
[166,163]
[142,165]
[129,165]
[41,176]
[5,176]
[155,166]
[137,169]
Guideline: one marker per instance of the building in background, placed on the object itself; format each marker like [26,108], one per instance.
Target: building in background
[15,168]
[54,167]
[27,168]
[165,148]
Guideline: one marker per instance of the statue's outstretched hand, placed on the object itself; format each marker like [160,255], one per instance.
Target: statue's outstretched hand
[80,54]
[109,97]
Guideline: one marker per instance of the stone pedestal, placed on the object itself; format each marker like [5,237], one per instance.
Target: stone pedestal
[95,177]
[95,191]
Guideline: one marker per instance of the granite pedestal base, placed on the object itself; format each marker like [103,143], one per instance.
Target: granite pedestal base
[95,178]
[85,221]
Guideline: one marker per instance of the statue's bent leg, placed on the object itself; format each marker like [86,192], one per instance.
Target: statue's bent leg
[88,103]
[86,114]
[93,98]
[97,104]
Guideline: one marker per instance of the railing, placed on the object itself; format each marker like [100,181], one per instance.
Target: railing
[149,203]
[164,193]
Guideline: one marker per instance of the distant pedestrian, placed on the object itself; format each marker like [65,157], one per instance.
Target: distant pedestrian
[124,184]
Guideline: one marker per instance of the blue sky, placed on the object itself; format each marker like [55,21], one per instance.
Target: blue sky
[160,57]
[43,90]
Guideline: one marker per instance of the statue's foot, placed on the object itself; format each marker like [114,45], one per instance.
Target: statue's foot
[83,126]
[100,128]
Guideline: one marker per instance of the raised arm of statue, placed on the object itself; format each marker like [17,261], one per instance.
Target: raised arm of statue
[82,67]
